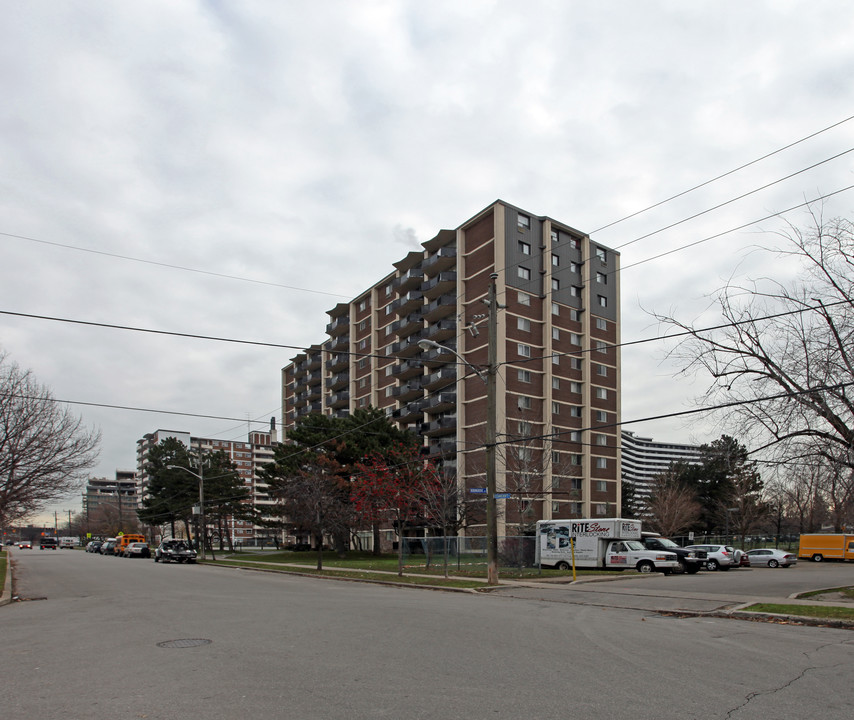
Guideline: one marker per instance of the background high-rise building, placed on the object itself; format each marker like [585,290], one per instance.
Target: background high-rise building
[558,352]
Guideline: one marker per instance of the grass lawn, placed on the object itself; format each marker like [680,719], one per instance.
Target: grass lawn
[847,592]
[814,611]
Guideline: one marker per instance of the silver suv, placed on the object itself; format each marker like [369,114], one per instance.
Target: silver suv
[718,557]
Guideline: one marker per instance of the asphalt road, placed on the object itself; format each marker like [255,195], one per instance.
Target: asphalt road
[288,647]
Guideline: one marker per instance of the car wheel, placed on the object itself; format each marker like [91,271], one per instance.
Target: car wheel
[562,565]
[682,569]
[712,565]
[818,557]
[645,566]
[773,563]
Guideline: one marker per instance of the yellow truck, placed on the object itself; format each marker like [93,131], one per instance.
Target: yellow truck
[818,547]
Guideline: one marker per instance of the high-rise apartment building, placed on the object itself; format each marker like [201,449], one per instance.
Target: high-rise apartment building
[558,334]
[120,493]
[644,460]
[248,457]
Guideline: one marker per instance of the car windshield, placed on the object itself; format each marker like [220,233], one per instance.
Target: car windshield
[634,545]
[667,542]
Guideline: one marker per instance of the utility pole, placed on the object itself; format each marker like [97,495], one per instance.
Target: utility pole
[491,431]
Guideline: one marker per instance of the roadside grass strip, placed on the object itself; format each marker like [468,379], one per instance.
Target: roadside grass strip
[826,612]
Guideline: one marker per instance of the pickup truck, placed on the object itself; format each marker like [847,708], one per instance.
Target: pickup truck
[690,561]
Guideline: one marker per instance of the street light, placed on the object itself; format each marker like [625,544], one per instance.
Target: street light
[491,425]
[201,478]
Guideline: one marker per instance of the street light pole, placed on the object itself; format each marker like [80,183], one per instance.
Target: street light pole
[200,476]
[490,380]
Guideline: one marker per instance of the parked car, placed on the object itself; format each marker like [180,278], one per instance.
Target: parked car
[174,551]
[25,545]
[744,560]
[108,548]
[690,561]
[770,557]
[48,543]
[94,546]
[138,549]
[718,557]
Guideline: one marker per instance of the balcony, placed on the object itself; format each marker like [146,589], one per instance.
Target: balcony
[444,449]
[408,325]
[408,390]
[338,381]
[338,362]
[440,402]
[440,426]
[338,326]
[409,346]
[444,259]
[342,342]
[445,376]
[410,412]
[407,302]
[444,282]
[438,356]
[442,306]
[339,399]
[411,279]
[407,369]
[444,329]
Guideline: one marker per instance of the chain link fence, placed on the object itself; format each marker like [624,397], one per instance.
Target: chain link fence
[468,553]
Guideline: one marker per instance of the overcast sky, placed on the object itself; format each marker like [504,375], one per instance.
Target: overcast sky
[305,147]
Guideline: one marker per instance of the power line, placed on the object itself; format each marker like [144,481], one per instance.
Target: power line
[723,175]
[171,266]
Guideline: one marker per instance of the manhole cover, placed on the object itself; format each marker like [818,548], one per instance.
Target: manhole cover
[185,643]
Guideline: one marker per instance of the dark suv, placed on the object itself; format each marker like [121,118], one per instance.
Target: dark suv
[690,561]
[49,543]
[174,551]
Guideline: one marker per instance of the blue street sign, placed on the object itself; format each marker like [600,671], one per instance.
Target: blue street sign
[502,496]
[477,491]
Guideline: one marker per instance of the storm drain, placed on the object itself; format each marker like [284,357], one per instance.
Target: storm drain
[184,643]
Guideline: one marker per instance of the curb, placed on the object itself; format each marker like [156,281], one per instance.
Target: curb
[6,595]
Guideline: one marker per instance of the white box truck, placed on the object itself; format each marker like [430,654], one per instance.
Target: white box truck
[610,543]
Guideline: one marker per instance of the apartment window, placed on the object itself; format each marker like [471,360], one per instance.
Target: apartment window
[388,330]
[602,393]
[555,309]
[363,344]
[388,390]
[525,376]
[575,459]
[601,254]
[575,484]
[554,237]
[363,324]
[601,508]
[573,267]
[363,306]
[575,387]
[363,383]
[555,334]
[524,350]
[555,507]
[601,324]
[575,339]
[363,363]
[523,298]
[524,428]
[524,248]
[602,370]
[575,315]
[601,486]
[601,416]
[388,370]
[555,458]
[555,260]
[555,482]
[524,273]
[523,324]
[523,221]
[388,309]
[575,411]
[601,463]
[524,402]
[387,290]
[601,278]
[555,284]
[573,243]
[555,408]
[556,359]
[603,301]
[555,383]
[601,439]
[601,347]
[575,436]
[575,291]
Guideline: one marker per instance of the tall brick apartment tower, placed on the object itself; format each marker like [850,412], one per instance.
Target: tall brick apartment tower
[558,353]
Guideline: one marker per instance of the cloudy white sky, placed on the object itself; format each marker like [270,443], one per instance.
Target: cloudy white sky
[305,147]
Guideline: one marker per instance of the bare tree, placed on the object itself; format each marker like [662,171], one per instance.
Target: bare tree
[671,507]
[44,449]
[782,360]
